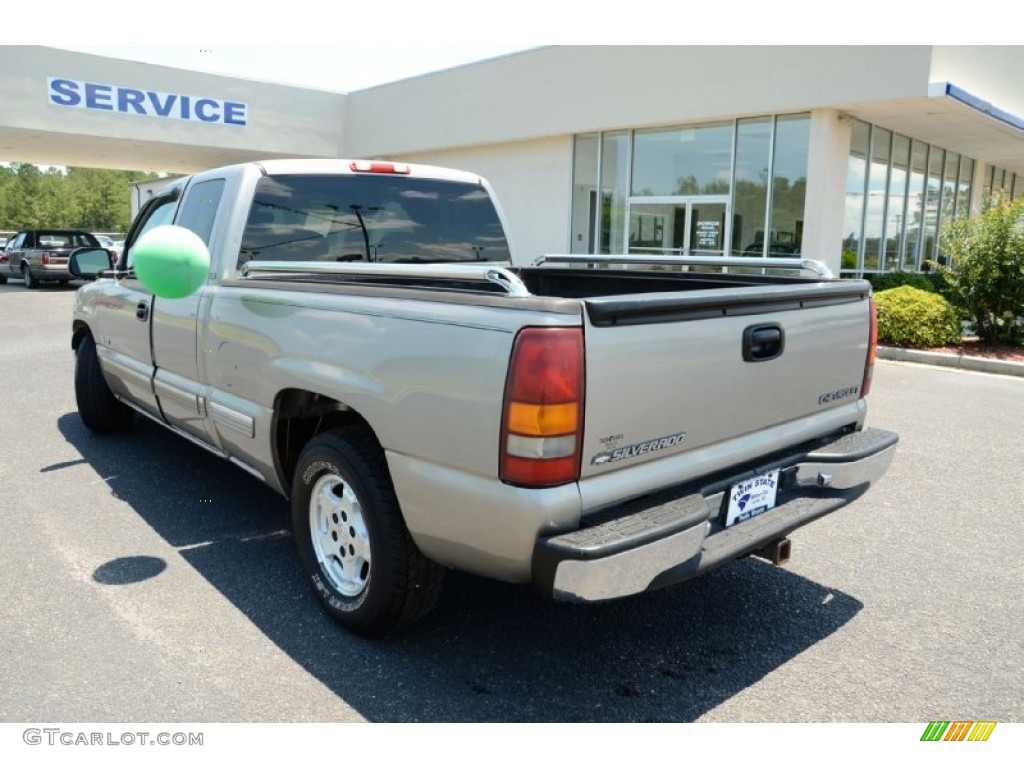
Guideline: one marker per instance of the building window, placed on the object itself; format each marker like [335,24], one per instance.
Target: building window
[878,183]
[913,240]
[856,189]
[584,194]
[1001,180]
[694,160]
[614,181]
[750,188]
[789,184]
[755,167]
[898,192]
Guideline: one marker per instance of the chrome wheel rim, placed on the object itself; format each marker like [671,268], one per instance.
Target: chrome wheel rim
[340,538]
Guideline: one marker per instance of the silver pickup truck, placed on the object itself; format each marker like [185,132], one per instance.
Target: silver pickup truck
[361,342]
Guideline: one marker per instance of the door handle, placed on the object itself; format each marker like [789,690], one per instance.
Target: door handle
[763,342]
[142,311]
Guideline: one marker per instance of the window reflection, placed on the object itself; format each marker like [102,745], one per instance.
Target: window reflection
[682,161]
[896,202]
[878,178]
[750,190]
[614,172]
[789,184]
[912,241]
[936,162]
[856,178]
[584,193]
[902,190]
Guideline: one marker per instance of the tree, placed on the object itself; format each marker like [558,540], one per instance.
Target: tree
[987,271]
[81,198]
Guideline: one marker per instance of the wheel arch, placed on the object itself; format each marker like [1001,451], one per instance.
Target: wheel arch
[299,416]
[79,330]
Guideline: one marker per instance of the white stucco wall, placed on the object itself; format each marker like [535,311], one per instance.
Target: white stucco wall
[824,206]
[531,180]
[573,89]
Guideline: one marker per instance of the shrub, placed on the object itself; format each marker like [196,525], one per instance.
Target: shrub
[910,317]
[988,269]
[889,280]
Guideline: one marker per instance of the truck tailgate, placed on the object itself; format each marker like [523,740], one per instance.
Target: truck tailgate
[669,373]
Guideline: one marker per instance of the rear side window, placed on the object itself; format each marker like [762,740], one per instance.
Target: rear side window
[47,239]
[199,208]
[380,218]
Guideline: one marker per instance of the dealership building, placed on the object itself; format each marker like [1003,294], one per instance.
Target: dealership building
[853,155]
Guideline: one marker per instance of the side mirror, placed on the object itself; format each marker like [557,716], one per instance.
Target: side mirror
[88,263]
[170,261]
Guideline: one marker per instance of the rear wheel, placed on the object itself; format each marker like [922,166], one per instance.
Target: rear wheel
[352,540]
[31,282]
[99,409]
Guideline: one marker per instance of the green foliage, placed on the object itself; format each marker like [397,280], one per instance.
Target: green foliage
[80,198]
[911,317]
[889,280]
[987,273]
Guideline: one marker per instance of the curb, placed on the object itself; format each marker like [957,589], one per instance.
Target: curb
[963,362]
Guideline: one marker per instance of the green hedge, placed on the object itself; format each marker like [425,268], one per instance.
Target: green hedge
[911,317]
[889,280]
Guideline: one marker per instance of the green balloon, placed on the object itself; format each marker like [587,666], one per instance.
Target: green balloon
[170,261]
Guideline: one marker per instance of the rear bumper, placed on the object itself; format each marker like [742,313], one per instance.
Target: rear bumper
[676,534]
[50,271]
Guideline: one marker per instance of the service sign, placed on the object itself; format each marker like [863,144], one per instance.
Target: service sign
[81,94]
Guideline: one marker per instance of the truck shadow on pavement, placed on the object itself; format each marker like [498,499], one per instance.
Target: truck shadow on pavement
[491,651]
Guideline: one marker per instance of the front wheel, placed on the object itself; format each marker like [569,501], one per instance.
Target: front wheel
[352,540]
[99,409]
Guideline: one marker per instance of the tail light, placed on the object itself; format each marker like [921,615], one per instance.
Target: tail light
[869,363]
[542,420]
[45,258]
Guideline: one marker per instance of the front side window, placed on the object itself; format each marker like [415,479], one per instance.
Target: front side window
[199,208]
[161,212]
[377,218]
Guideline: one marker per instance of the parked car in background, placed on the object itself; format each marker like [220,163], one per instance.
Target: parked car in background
[36,255]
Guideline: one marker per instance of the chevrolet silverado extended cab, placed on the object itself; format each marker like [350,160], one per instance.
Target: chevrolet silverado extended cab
[362,343]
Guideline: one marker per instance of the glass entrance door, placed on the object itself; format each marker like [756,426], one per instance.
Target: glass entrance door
[678,226]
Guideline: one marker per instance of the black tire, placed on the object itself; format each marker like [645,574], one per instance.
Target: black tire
[31,281]
[99,409]
[363,564]
[3,279]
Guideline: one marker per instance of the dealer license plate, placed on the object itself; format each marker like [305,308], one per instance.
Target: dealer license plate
[752,497]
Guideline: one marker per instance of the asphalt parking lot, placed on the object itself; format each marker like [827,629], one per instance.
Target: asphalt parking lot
[146,581]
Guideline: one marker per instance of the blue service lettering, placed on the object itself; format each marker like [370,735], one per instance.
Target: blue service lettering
[97,96]
[64,92]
